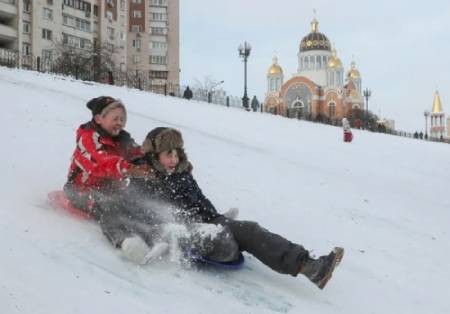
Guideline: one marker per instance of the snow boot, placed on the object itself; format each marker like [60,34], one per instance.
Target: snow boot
[319,270]
[137,251]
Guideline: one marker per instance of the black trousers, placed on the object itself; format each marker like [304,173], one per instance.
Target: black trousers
[271,249]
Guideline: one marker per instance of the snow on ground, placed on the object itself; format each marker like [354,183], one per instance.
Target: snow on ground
[381,197]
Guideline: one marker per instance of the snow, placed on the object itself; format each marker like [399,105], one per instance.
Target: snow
[383,198]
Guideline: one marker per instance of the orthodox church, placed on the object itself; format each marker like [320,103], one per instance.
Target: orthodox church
[318,88]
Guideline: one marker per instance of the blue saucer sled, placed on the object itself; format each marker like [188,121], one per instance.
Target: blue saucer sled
[233,265]
[58,200]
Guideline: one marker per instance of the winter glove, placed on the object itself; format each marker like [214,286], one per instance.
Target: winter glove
[232,213]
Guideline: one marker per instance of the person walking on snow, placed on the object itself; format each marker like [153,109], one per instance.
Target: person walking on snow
[170,182]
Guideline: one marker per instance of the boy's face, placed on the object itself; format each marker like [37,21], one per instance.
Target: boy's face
[169,160]
[113,121]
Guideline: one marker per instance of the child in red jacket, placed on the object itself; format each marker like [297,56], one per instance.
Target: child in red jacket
[100,164]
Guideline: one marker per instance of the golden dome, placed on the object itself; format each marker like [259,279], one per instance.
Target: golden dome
[315,40]
[334,62]
[275,69]
[353,73]
[437,107]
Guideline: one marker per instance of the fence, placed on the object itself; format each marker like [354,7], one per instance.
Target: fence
[137,79]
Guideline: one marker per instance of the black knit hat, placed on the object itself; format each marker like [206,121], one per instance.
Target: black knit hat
[96,105]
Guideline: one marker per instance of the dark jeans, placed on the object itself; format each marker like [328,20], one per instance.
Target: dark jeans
[271,249]
[116,220]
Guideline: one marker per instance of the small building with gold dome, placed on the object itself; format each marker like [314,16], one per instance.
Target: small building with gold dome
[437,117]
[318,88]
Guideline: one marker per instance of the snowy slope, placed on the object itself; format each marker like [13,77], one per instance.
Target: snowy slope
[381,197]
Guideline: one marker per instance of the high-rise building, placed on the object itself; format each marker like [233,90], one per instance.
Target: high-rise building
[153,40]
[143,35]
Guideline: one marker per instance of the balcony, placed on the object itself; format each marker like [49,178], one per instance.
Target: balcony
[7,32]
[8,9]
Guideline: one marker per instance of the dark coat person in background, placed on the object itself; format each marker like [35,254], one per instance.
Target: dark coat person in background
[255,104]
[187,93]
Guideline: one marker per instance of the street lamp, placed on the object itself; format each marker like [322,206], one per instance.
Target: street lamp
[426,114]
[244,52]
[367,93]
[211,90]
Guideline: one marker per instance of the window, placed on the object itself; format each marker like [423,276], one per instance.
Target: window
[137,1]
[162,3]
[158,30]
[47,14]
[95,10]
[26,49]
[137,14]
[78,4]
[76,42]
[136,58]
[159,16]
[135,28]
[26,27]
[109,15]
[110,47]
[158,60]
[110,32]
[158,75]
[158,45]
[75,22]
[46,34]
[26,6]
[136,43]
[47,54]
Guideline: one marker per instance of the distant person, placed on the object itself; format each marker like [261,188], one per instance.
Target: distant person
[421,135]
[416,135]
[187,93]
[110,78]
[255,104]
[348,135]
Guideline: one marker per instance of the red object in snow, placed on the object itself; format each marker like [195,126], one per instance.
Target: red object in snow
[59,200]
[348,136]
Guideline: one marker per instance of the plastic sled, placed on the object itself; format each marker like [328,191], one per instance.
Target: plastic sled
[58,200]
[201,260]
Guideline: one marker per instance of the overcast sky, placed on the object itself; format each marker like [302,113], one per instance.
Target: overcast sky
[402,48]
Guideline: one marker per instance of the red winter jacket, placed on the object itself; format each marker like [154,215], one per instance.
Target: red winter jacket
[99,159]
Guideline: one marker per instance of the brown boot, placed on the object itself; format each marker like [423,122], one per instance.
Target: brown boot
[319,270]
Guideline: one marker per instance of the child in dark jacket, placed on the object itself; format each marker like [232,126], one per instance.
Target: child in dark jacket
[170,182]
[101,162]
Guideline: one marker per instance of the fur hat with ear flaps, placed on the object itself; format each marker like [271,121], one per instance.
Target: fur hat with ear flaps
[163,139]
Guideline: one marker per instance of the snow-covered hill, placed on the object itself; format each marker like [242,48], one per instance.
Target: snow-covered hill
[383,198]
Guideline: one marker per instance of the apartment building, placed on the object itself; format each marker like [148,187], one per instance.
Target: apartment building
[144,34]
[153,40]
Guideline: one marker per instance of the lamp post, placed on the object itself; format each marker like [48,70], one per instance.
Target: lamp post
[244,52]
[367,93]
[426,115]
[211,90]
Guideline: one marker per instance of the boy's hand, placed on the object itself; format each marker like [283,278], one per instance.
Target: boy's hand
[139,171]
